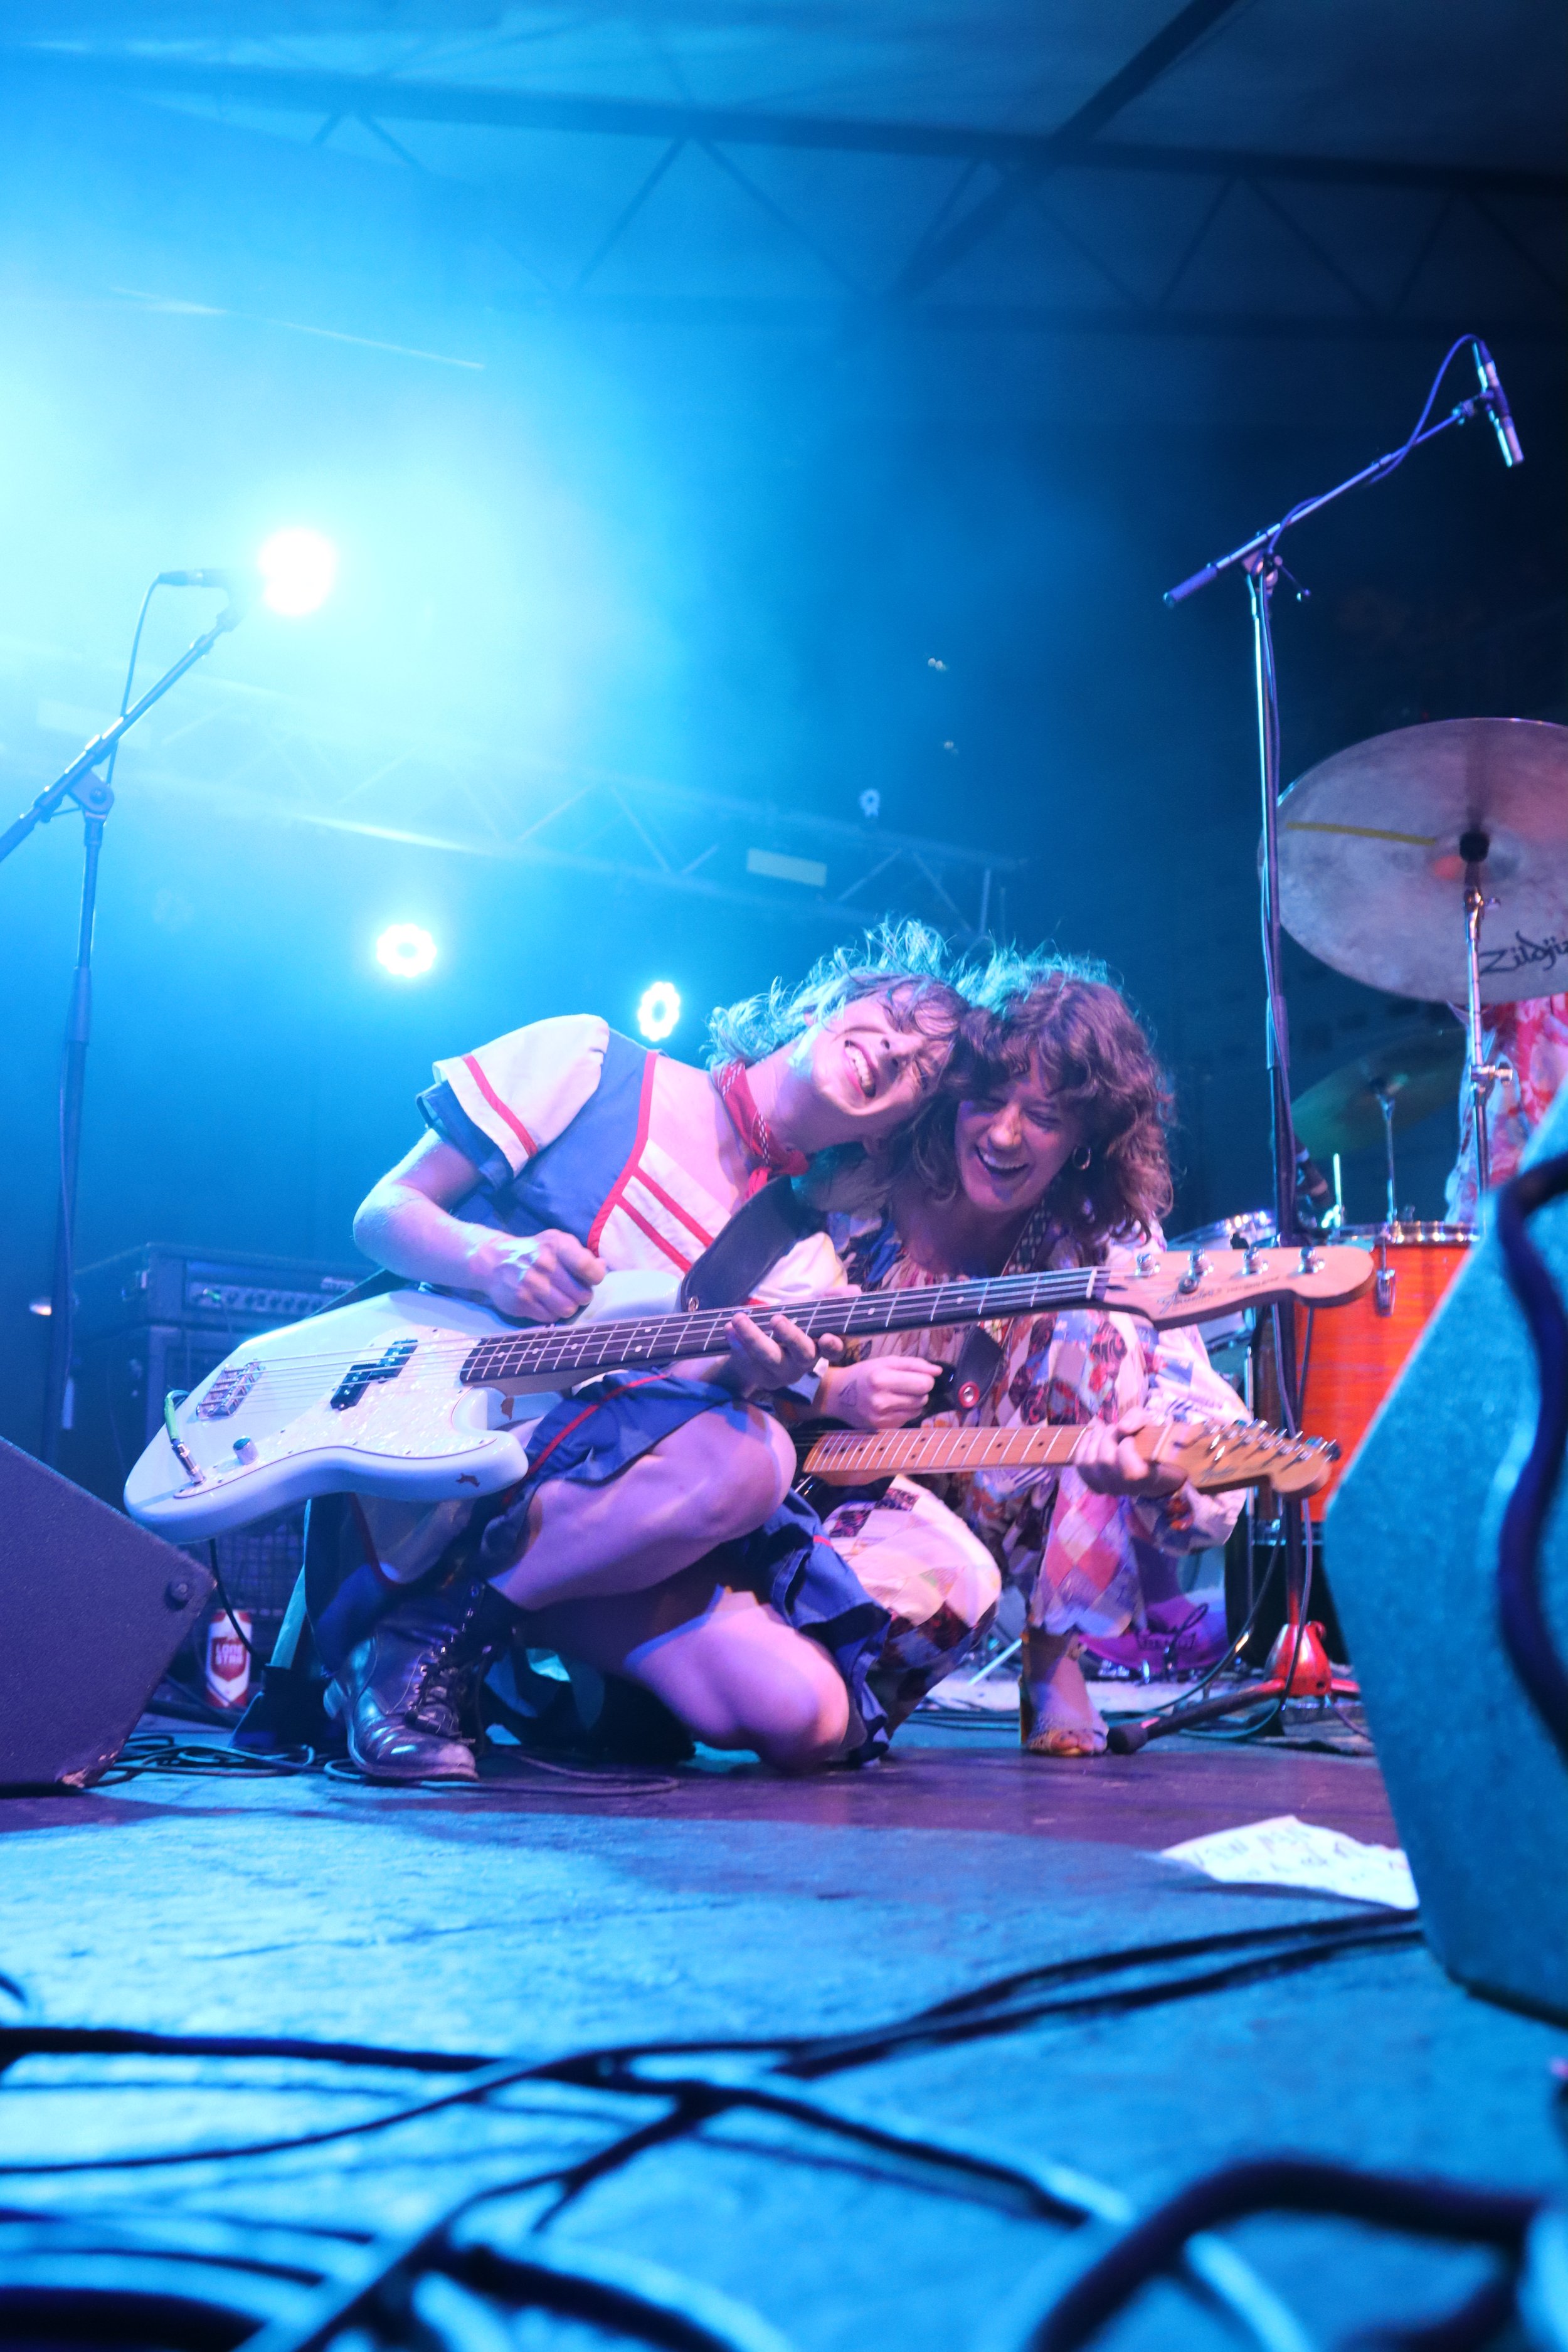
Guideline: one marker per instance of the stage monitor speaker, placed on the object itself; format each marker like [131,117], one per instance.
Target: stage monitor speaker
[93,1609]
[1479,1792]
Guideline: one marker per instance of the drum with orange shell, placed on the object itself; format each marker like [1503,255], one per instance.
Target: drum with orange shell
[1351,1358]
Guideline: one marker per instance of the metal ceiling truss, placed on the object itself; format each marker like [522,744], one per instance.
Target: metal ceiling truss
[1018,165]
[259,755]
[335,97]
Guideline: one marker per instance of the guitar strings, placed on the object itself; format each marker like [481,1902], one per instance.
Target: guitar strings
[577,1351]
[1010,1295]
[1046,1445]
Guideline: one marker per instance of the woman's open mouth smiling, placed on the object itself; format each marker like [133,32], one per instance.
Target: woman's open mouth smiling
[1005,1171]
[861,1067]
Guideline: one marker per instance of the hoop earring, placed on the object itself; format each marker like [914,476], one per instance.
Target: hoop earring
[1082,1156]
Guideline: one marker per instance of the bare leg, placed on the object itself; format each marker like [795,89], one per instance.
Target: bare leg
[704,1484]
[725,1661]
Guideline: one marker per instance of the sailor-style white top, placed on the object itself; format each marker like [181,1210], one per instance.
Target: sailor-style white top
[555,1116]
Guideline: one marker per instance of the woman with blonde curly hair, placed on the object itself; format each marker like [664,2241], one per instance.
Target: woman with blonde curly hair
[1044,1146]
[554,1154]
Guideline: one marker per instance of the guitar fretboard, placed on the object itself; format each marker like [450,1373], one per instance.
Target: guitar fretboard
[576,1349]
[887,1451]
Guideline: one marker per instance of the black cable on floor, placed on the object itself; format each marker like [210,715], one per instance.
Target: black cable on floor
[162,1751]
[1431,2208]
[1251,1956]
[225,1604]
[18,2042]
[690,2101]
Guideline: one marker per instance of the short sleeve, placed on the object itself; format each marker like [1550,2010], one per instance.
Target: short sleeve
[505,1101]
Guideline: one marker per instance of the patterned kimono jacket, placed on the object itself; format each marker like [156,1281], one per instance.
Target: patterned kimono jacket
[1082,1559]
[1531,1036]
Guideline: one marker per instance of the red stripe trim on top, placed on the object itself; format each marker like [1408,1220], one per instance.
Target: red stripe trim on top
[613,1197]
[657,1239]
[496,1104]
[650,1185]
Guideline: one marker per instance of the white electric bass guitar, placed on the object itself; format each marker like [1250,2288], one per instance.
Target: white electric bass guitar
[422,1396]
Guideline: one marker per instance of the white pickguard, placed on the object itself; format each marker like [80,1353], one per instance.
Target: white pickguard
[419,1436]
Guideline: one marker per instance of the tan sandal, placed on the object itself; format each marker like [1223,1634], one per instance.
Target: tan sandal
[1041,1733]
[1064,1739]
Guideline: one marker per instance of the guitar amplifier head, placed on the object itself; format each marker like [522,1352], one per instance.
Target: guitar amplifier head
[226,1294]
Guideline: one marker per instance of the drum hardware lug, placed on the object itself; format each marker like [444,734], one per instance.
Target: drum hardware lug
[1383,1290]
[1197,1267]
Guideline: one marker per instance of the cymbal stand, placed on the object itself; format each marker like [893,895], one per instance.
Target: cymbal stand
[1385,1104]
[1297,1663]
[1480,1076]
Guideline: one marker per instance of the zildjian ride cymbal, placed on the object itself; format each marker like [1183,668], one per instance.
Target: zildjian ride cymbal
[1417,1069]
[1371,872]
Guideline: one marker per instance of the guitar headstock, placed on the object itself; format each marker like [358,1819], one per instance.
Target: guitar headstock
[1213,1455]
[1171,1287]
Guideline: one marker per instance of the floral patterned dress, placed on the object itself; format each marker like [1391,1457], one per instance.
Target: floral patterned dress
[1082,1559]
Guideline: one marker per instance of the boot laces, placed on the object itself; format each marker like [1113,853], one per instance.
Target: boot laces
[438,1704]
[443,1681]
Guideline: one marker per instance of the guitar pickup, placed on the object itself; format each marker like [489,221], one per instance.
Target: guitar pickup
[358,1376]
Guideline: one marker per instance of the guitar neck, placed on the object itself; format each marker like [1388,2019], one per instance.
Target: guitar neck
[574,1350]
[883,1453]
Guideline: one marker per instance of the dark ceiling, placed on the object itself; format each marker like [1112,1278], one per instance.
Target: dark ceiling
[1226,167]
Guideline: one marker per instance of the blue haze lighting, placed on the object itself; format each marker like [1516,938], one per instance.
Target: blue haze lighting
[297,568]
[405,950]
[659,1010]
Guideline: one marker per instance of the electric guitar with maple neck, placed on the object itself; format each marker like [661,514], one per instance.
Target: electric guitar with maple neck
[1210,1455]
[421,1395]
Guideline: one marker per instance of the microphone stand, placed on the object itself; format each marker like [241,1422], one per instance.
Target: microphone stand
[95,798]
[1297,1663]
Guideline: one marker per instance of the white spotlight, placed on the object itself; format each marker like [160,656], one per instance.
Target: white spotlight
[297,568]
[405,950]
[659,1010]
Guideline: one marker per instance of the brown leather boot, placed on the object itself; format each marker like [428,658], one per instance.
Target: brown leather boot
[405,1694]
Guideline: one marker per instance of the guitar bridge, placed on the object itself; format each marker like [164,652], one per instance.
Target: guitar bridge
[358,1376]
[228,1391]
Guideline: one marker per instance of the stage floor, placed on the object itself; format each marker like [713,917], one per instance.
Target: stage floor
[534,1918]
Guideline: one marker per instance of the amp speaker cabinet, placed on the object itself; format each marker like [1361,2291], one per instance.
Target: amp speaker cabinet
[91,1611]
[1479,1792]
[162,1318]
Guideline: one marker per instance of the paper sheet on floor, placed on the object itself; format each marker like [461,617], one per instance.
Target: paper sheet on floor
[1286,1852]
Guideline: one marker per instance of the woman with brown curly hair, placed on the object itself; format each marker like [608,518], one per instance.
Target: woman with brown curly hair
[1045,1147]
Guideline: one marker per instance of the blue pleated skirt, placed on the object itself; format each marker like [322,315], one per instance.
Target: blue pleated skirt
[590,1438]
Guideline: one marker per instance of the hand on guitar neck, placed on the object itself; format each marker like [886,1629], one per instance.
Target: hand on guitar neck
[1111,1460]
[1208,1455]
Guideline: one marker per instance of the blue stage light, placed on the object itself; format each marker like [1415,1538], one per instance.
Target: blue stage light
[659,1010]
[297,568]
[405,950]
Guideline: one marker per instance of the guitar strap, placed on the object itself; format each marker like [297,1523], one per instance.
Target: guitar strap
[962,1384]
[763,1230]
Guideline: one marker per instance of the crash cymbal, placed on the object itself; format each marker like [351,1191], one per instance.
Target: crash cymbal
[1419,1068]
[1372,878]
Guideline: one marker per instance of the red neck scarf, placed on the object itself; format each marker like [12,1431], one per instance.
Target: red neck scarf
[763,1146]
